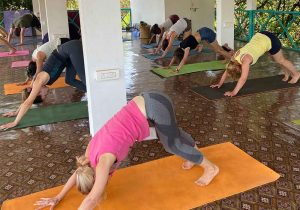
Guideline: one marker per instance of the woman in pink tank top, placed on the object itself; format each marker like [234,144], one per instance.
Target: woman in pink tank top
[111,145]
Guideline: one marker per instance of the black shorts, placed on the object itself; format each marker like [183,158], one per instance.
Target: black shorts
[275,42]
[54,66]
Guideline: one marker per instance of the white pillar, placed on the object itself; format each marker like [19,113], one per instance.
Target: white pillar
[43,17]
[149,11]
[35,8]
[103,50]
[57,19]
[225,22]
[251,5]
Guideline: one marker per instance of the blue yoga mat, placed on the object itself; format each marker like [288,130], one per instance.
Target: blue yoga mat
[154,45]
[170,54]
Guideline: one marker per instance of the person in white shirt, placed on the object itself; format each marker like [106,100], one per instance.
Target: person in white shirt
[165,26]
[39,55]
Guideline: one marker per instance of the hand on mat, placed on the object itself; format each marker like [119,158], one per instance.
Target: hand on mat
[229,93]
[44,202]
[216,86]
[10,114]
[8,126]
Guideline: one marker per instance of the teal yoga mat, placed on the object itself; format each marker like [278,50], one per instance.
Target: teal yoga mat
[51,114]
[190,68]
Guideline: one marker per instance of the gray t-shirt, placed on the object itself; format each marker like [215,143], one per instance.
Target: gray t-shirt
[178,27]
[23,21]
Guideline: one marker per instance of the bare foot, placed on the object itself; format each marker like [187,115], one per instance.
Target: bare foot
[209,173]
[286,77]
[295,78]
[187,165]
[12,51]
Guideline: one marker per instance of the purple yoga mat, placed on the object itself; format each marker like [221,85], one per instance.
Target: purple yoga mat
[18,53]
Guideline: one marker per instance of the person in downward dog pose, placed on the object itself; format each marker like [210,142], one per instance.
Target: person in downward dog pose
[239,66]
[160,29]
[112,142]
[192,42]
[68,55]
[20,24]
[183,25]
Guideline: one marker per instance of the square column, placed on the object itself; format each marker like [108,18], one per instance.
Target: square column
[225,22]
[35,7]
[251,5]
[103,58]
[57,19]
[43,17]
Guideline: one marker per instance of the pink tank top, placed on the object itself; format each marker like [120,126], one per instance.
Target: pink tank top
[119,134]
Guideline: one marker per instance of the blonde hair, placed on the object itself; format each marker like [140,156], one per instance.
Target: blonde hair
[85,175]
[233,68]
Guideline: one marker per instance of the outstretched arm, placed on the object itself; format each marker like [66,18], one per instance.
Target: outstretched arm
[40,58]
[171,40]
[246,61]
[52,202]
[41,80]
[102,174]
[22,32]
[171,62]
[184,59]
[221,80]
[10,34]
[151,39]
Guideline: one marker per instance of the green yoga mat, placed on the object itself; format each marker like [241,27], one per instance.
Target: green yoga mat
[190,68]
[51,114]
[297,122]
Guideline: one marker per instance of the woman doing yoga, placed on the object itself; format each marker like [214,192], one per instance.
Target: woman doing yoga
[192,42]
[69,56]
[111,145]
[39,56]
[160,29]
[183,25]
[260,43]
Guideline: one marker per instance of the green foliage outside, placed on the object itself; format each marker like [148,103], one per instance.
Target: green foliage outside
[281,17]
[15,4]
[72,5]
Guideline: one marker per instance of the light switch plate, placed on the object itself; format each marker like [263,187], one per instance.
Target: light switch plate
[107,74]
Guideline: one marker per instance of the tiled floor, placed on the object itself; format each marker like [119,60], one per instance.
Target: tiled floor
[41,157]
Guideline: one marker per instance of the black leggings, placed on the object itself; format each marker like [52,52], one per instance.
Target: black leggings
[70,56]
[160,111]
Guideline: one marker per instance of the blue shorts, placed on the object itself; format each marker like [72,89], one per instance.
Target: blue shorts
[207,34]
[276,44]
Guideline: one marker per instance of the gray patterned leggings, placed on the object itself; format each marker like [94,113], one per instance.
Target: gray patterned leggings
[160,111]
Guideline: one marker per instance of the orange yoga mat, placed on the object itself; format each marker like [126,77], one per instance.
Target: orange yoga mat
[13,88]
[162,184]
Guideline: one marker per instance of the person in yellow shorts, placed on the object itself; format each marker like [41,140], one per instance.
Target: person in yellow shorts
[239,66]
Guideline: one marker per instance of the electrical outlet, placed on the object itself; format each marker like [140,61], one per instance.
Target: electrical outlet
[107,74]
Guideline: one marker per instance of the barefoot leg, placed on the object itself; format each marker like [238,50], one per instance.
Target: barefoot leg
[210,171]
[288,66]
